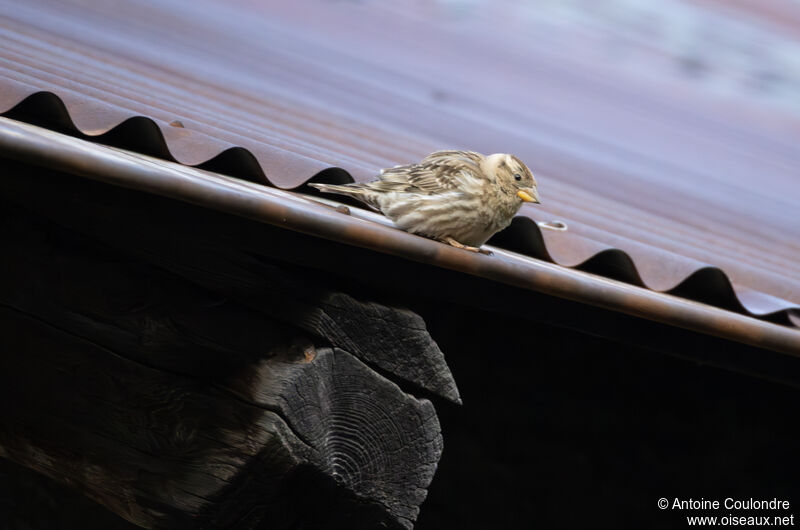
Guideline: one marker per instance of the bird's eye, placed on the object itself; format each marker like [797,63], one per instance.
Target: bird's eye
[517,176]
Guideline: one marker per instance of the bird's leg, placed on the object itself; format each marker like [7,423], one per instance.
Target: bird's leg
[453,242]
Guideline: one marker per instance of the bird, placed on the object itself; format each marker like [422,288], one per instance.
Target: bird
[461,198]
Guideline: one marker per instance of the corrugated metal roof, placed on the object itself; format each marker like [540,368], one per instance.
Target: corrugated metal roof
[667,180]
[354,227]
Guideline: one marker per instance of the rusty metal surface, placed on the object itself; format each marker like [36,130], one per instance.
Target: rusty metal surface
[292,211]
[672,168]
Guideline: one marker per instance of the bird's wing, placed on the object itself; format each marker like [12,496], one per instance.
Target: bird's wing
[437,173]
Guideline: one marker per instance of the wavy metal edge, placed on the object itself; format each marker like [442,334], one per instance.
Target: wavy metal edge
[300,213]
[148,136]
[526,237]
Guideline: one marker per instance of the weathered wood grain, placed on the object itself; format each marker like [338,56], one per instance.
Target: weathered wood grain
[182,390]
[32,501]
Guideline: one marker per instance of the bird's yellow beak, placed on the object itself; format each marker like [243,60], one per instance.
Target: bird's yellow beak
[529,195]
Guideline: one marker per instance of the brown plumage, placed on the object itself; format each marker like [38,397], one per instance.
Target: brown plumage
[458,197]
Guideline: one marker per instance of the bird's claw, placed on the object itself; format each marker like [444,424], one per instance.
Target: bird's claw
[452,242]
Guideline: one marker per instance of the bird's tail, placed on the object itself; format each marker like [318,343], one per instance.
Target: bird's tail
[355,190]
[341,189]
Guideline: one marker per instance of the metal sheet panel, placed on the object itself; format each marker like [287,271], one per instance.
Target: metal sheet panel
[671,159]
[360,228]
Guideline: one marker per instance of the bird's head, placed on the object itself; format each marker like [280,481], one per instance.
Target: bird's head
[512,174]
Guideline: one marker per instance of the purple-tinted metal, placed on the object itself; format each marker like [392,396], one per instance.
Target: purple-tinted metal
[641,164]
[365,229]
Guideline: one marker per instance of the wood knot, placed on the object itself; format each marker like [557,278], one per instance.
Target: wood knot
[301,350]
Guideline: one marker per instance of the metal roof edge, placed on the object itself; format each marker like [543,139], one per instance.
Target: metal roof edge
[699,281]
[300,213]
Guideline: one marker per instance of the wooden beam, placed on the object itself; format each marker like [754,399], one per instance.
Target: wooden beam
[177,404]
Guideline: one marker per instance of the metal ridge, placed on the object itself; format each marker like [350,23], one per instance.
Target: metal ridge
[292,211]
[687,278]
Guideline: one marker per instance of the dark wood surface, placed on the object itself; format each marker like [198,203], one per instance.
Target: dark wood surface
[30,500]
[184,381]
[575,417]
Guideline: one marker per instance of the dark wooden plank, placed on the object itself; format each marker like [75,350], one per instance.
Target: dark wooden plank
[32,501]
[176,406]
[236,259]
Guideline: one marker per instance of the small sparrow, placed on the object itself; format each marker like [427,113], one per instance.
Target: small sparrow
[458,197]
